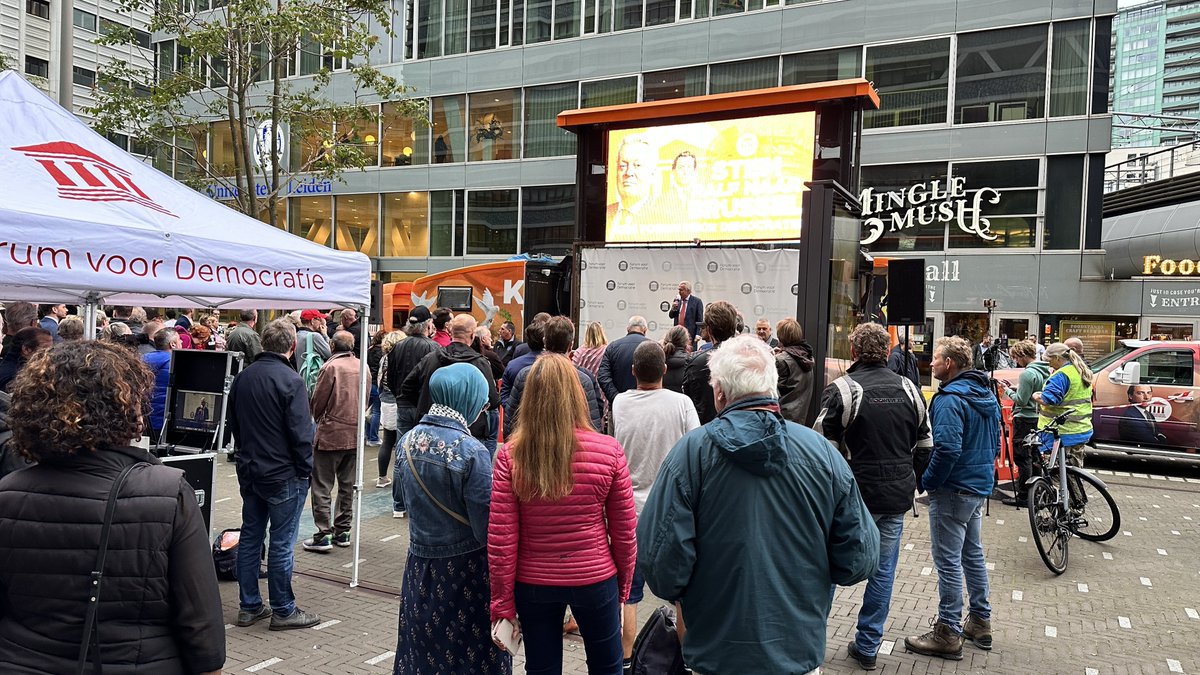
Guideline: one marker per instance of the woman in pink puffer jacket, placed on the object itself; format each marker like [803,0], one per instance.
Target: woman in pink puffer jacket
[562,525]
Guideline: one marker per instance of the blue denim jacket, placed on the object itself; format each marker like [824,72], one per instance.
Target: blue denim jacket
[457,470]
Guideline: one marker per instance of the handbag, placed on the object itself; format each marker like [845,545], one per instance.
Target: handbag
[91,634]
[413,467]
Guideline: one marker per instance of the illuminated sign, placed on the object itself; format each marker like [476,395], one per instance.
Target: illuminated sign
[1156,265]
[926,204]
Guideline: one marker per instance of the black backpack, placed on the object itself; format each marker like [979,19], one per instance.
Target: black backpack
[657,650]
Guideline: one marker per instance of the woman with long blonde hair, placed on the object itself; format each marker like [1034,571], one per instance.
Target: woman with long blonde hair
[560,494]
[591,353]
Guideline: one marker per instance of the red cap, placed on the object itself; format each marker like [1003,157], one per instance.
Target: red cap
[310,314]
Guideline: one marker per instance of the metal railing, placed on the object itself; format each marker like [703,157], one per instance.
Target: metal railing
[1155,166]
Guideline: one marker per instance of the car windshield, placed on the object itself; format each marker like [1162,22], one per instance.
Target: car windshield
[1105,361]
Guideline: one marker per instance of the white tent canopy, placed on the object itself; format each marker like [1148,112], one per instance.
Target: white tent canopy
[79,216]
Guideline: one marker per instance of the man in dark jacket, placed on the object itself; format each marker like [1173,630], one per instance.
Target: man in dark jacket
[616,368]
[903,362]
[878,421]
[687,310]
[401,362]
[272,425]
[965,417]
[534,333]
[721,322]
[244,338]
[506,339]
[751,571]
[352,325]
[558,338]
[25,344]
[414,391]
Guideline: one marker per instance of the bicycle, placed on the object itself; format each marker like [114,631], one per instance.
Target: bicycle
[1085,509]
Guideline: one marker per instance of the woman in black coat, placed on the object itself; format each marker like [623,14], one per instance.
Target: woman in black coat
[676,345]
[76,408]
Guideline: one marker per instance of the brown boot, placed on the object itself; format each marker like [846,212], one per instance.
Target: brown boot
[979,631]
[942,641]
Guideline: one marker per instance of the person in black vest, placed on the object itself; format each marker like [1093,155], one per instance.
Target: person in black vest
[722,324]
[159,608]
[885,436]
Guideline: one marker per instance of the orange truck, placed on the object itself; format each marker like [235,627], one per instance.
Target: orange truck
[493,293]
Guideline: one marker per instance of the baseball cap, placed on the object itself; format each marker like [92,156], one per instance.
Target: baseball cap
[418,314]
[310,314]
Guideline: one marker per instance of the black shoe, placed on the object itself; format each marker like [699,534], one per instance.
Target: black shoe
[246,618]
[864,662]
[297,619]
[1015,501]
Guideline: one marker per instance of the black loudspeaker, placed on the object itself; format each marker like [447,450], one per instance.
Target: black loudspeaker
[376,315]
[906,292]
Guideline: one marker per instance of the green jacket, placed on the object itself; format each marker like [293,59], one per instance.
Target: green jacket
[1033,378]
[750,520]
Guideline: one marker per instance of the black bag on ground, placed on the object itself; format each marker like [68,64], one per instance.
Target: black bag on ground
[657,650]
[225,553]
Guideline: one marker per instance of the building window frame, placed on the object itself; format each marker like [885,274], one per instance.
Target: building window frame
[38,8]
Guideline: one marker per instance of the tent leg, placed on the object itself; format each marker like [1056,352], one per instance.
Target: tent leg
[89,318]
[363,397]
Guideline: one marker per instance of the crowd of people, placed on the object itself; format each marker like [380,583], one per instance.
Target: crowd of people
[536,478]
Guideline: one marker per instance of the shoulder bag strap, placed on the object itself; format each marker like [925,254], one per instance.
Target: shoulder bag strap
[90,632]
[413,467]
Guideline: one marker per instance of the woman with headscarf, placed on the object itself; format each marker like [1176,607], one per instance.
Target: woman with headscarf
[447,479]
[77,408]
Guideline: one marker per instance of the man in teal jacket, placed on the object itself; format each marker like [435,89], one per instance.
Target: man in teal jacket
[965,417]
[750,520]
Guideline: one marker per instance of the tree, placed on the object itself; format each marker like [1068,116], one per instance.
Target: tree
[233,67]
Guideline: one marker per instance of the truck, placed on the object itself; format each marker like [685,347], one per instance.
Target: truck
[494,293]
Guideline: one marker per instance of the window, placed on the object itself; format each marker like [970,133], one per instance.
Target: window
[659,12]
[743,75]
[110,27]
[191,152]
[492,222]
[566,19]
[543,138]
[912,80]
[405,141]
[405,224]
[1169,367]
[357,223]
[1100,66]
[628,14]
[538,15]
[483,25]
[449,129]
[1001,75]
[118,139]
[84,20]
[495,131]
[723,7]
[445,221]
[311,218]
[222,156]
[835,64]
[38,8]
[1064,202]
[37,67]
[1013,220]
[429,29]
[455,40]
[361,132]
[142,38]
[668,84]
[617,91]
[165,60]
[906,235]
[83,76]
[548,219]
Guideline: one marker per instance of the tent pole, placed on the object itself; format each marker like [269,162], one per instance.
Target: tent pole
[89,317]
[363,397]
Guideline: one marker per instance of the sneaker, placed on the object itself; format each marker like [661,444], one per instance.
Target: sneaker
[943,641]
[383,482]
[297,619]
[247,618]
[978,631]
[1015,501]
[373,442]
[318,544]
[865,662]
[342,540]
[401,513]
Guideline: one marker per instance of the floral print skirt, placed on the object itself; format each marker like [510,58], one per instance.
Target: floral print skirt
[445,624]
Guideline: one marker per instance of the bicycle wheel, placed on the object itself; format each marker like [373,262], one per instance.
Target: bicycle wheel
[1049,531]
[1094,513]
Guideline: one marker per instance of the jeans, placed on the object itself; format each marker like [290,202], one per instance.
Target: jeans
[877,598]
[956,538]
[493,431]
[597,610]
[373,420]
[406,419]
[279,508]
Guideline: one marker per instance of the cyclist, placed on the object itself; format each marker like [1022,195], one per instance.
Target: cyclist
[1069,390]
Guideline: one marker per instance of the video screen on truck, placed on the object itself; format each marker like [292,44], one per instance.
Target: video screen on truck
[723,180]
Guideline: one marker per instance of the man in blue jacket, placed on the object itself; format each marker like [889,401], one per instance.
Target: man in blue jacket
[271,422]
[750,520]
[961,474]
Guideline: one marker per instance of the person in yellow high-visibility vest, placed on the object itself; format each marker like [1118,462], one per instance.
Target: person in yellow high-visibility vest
[1069,390]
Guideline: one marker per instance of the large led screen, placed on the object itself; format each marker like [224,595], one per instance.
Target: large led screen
[726,180]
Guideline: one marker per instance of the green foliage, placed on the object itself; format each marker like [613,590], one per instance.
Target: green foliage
[231,68]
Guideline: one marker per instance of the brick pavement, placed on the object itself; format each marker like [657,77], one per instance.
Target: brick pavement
[1126,606]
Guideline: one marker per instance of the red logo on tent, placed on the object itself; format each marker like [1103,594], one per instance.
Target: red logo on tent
[83,175]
